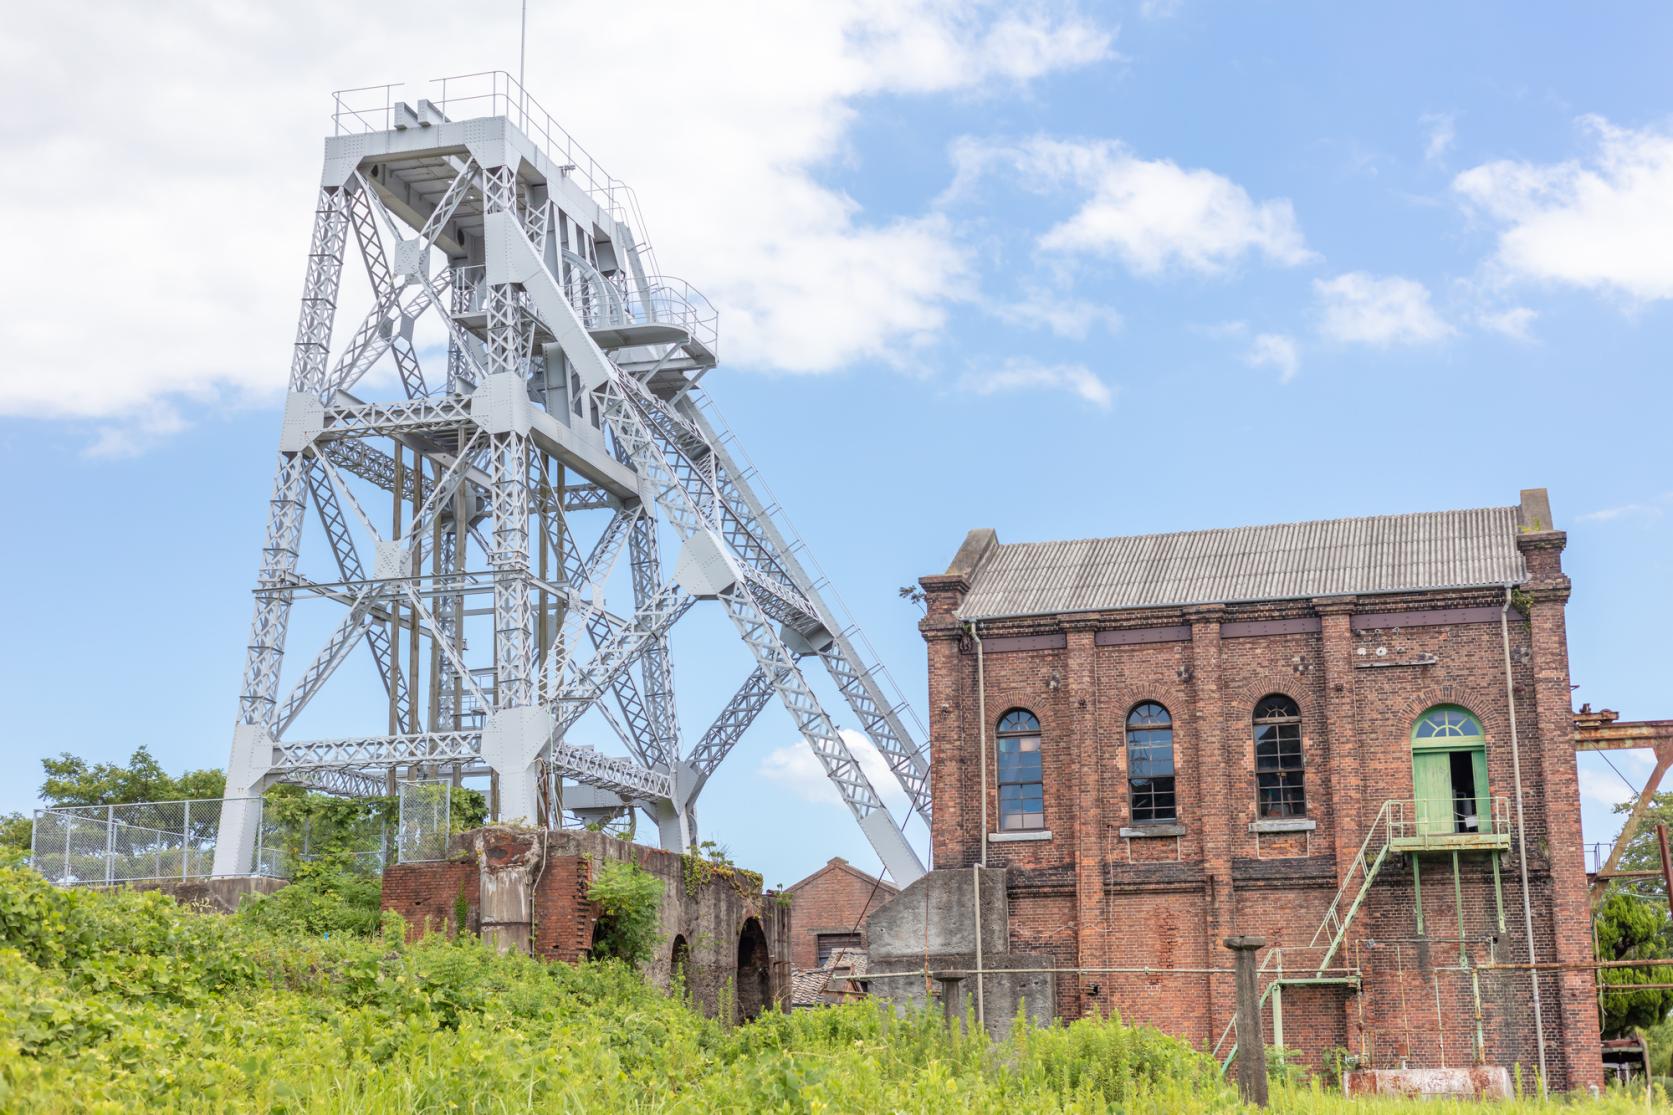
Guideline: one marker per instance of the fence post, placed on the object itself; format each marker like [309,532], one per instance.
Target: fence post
[110,844]
[1251,1044]
[186,839]
[261,827]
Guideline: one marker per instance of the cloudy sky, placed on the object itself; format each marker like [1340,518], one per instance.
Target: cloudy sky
[1058,269]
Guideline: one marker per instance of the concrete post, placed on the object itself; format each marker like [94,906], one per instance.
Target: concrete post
[1251,1043]
[952,1002]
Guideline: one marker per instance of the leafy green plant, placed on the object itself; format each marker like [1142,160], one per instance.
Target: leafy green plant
[323,897]
[628,898]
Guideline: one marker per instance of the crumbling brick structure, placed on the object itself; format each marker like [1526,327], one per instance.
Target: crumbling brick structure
[528,889]
[1192,736]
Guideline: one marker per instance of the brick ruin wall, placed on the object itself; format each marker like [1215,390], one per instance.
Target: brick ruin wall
[707,920]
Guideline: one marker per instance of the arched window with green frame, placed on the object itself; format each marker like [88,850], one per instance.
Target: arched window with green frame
[1449,772]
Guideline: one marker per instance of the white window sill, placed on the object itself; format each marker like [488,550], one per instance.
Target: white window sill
[1284,824]
[1018,836]
[1141,832]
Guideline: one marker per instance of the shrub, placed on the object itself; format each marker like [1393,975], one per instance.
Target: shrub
[628,897]
[323,897]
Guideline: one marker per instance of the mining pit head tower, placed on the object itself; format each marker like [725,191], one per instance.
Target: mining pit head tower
[474,523]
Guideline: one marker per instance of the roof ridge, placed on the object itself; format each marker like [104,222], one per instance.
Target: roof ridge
[1251,526]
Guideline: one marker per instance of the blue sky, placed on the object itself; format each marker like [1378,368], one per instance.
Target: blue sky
[1059,270]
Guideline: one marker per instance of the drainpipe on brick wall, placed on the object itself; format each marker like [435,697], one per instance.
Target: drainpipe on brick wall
[976,869]
[981,736]
[1522,835]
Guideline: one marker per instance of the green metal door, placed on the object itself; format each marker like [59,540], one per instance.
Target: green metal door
[1483,801]
[1432,787]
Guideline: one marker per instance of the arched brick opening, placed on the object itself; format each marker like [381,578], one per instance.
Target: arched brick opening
[679,963]
[754,980]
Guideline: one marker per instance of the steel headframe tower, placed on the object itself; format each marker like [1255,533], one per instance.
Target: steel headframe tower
[566,428]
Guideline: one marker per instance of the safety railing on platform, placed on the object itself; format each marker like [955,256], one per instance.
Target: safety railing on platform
[1445,823]
[618,300]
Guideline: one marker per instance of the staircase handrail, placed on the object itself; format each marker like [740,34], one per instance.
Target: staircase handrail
[1360,862]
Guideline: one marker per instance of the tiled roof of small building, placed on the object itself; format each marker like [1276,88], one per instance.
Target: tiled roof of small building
[829,982]
[1331,557]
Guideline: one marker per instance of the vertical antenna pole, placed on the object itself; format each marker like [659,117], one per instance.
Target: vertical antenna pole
[522,54]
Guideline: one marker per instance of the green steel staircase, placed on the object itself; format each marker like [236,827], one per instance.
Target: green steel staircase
[1362,872]
[1401,828]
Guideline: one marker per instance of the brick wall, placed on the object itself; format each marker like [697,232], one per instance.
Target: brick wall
[709,916]
[835,899]
[1092,895]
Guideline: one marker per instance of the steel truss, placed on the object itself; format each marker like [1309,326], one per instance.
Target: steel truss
[473,525]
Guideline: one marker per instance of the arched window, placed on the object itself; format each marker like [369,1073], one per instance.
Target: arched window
[1022,794]
[1278,765]
[1449,772]
[1150,763]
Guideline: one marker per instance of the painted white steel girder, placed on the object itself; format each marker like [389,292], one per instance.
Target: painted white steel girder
[531,425]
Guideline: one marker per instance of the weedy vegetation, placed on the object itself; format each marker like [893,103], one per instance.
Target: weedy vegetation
[124,1002]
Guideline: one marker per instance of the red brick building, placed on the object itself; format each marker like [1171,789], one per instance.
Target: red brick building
[828,911]
[1352,738]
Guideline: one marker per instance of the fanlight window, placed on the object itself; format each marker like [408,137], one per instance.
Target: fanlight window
[1150,763]
[1021,784]
[1278,761]
[1446,722]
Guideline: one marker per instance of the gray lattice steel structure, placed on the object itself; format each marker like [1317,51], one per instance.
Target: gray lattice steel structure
[566,430]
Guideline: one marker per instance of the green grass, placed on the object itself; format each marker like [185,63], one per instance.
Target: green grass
[123,1002]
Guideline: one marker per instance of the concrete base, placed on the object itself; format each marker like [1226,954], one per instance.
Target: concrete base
[1488,1082]
[209,896]
[934,921]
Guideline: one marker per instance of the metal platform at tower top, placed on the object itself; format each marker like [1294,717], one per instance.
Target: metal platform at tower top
[567,430]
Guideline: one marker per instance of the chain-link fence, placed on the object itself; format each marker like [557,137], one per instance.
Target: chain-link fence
[424,822]
[123,843]
[105,844]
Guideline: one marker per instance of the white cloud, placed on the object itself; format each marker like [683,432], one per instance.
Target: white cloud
[1603,787]
[1360,308]
[1159,9]
[1062,314]
[1604,222]
[136,432]
[184,252]
[1274,350]
[1027,375]
[795,767]
[1515,323]
[1440,132]
[1151,214]
[1650,509]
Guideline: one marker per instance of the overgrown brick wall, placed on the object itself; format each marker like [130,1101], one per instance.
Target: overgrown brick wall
[1092,896]
[710,909]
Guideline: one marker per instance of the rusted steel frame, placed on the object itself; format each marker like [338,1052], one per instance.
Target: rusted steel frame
[1592,733]
[1576,965]
[1664,759]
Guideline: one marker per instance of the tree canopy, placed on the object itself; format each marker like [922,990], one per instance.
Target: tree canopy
[1632,927]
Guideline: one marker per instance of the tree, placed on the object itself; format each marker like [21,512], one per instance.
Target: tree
[15,832]
[71,780]
[1632,927]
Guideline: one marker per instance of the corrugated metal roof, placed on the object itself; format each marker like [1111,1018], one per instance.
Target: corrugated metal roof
[1382,553]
